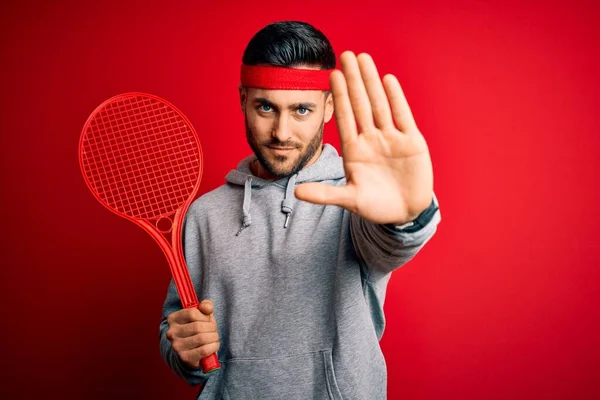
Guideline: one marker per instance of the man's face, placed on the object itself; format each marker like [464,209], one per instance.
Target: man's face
[284,128]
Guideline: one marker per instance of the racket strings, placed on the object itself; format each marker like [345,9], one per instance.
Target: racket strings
[141,157]
[148,167]
[133,183]
[163,167]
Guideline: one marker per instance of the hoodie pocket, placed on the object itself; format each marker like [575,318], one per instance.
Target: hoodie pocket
[304,376]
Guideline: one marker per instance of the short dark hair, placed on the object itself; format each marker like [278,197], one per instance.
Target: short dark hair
[290,44]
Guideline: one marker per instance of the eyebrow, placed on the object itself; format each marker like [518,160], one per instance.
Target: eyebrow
[293,106]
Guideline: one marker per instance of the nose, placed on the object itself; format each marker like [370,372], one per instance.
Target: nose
[281,129]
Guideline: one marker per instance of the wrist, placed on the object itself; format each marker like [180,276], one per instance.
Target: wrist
[417,222]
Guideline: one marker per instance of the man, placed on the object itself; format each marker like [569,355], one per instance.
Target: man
[293,254]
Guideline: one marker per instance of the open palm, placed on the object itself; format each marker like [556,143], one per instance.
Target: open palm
[389,176]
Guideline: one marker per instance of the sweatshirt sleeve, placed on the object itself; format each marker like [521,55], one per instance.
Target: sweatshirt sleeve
[173,303]
[383,248]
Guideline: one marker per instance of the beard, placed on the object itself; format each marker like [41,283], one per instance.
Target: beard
[278,166]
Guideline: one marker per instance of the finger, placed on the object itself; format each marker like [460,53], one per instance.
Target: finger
[186,315]
[400,109]
[323,193]
[344,117]
[194,328]
[190,357]
[199,340]
[206,307]
[206,350]
[193,356]
[357,92]
[379,102]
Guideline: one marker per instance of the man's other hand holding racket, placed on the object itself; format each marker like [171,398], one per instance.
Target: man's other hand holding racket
[193,333]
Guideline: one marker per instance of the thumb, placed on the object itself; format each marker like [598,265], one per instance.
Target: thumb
[206,307]
[323,193]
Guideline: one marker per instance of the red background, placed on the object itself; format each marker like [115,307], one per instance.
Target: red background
[501,304]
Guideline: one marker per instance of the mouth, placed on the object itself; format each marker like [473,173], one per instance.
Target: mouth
[281,150]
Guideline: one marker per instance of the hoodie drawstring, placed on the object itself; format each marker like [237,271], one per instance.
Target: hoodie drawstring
[246,205]
[287,205]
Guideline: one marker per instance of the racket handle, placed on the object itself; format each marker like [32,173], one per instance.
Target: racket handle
[210,363]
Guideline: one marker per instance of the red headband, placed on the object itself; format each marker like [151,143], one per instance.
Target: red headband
[269,77]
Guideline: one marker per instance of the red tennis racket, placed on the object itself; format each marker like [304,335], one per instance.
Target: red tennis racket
[142,159]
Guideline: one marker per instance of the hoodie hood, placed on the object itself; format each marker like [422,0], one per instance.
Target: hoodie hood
[329,166]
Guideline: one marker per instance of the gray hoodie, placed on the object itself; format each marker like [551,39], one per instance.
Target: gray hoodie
[299,309]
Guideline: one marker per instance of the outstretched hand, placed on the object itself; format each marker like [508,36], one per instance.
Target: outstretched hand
[389,175]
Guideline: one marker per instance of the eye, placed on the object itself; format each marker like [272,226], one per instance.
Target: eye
[265,108]
[303,111]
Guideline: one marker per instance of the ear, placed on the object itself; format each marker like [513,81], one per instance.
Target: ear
[328,106]
[243,97]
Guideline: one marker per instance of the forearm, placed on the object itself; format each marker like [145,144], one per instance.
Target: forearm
[384,248]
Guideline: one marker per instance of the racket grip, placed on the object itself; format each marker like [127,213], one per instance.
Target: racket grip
[210,363]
